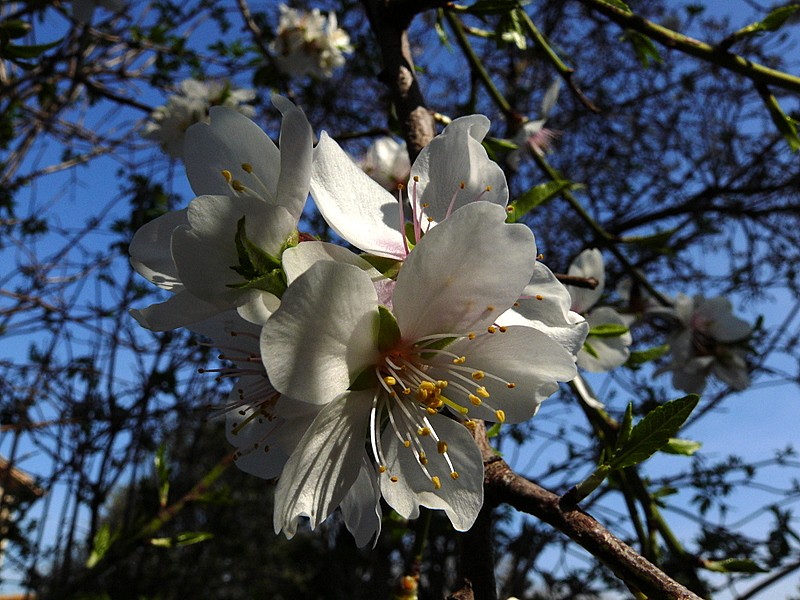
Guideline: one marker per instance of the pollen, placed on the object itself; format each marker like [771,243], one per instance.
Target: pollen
[539,297]
[470,424]
[460,360]
[471,335]
[431,411]
[511,385]
[389,380]
[382,469]
[475,400]
[227,175]
[490,308]
[423,460]
[454,475]
[441,384]
[491,329]
[423,431]
[247,167]
[407,443]
[237,185]
[501,416]
[478,375]
[441,446]
[482,392]
[436,482]
[393,479]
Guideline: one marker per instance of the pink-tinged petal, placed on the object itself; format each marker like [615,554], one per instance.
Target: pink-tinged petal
[589,263]
[180,310]
[150,250]
[461,498]
[356,207]
[325,464]
[296,148]
[464,273]
[522,356]
[545,305]
[324,333]
[611,351]
[361,507]
[226,143]
[453,159]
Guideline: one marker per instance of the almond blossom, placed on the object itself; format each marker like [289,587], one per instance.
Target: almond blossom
[606,346]
[406,382]
[223,251]
[533,137]
[387,163]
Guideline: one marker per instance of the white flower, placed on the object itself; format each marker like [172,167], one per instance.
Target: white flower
[384,378]
[709,342]
[533,137]
[309,43]
[603,350]
[223,251]
[450,172]
[387,163]
[83,10]
[168,123]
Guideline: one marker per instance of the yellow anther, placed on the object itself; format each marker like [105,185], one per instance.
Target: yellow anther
[407,391]
[511,386]
[428,386]
[227,175]
[516,304]
[436,482]
[462,185]
[425,205]
[431,411]
[460,360]
[401,187]
[539,297]
[540,257]
[441,446]
[510,209]
[430,219]
[475,400]
[491,329]
[490,308]
[416,178]
[382,469]
[488,188]
[423,431]
[478,375]
[471,335]
[482,392]
[470,424]
[501,416]
[454,475]
[407,443]
[389,380]
[503,328]
[441,384]
[423,460]
[237,185]
[247,167]
[393,479]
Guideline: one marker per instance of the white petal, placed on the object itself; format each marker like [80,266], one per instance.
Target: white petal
[470,262]
[325,464]
[259,308]
[179,310]
[227,142]
[589,263]
[460,498]
[724,326]
[150,250]
[452,159]
[361,507]
[356,207]
[524,356]
[296,143]
[297,260]
[611,351]
[324,333]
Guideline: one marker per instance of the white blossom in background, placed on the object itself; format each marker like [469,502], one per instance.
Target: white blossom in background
[309,43]
[192,104]
[601,351]
[386,376]
[533,137]
[387,162]
[224,251]
[83,10]
[710,341]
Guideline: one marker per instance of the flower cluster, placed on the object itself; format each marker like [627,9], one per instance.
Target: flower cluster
[360,376]
[309,43]
[168,123]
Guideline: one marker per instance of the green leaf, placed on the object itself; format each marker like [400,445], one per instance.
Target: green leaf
[494,430]
[103,540]
[186,538]
[589,349]
[646,51]
[734,565]
[772,22]
[34,51]
[162,472]
[786,125]
[536,196]
[388,330]
[654,431]
[682,447]
[14,29]
[625,428]
[608,330]
[658,241]
[639,357]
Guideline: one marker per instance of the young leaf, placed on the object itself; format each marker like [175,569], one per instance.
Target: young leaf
[643,46]
[625,427]
[608,330]
[640,357]
[734,565]
[536,196]
[682,447]
[162,472]
[103,540]
[654,431]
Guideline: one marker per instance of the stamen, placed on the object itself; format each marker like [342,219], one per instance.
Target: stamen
[436,482]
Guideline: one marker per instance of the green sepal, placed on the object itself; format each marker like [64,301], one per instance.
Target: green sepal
[411,238]
[388,330]
[589,349]
[365,380]
[608,330]
[274,283]
[388,267]
[260,270]
[494,430]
